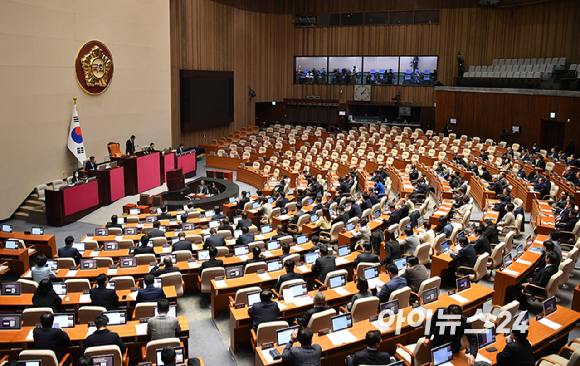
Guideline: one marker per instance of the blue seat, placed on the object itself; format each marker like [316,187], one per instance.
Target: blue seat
[306,70]
[408,71]
[373,71]
[426,72]
[407,79]
[418,70]
[382,71]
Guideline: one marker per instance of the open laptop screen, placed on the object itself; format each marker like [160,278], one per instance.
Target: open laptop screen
[128,262]
[343,250]
[463,284]
[550,306]
[64,320]
[117,317]
[60,288]
[486,337]
[391,306]
[202,255]
[302,239]
[340,322]
[274,265]
[371,272]
[179,356]
[310,258]
[10,321]
[107,360]
[442,354]
[283,335]
[430,295]
[88,264]
[254,297]
[10,289]
[34,363]
[337,281]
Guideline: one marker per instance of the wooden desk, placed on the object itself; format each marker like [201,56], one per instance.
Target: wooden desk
[252,177]
[542,217]
[223,162]
[18,259]
[44,244]
[576,299]
[442,210]
[345,238]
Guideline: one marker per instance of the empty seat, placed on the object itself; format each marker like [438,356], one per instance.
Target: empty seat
[520,61]
[540,61]
[527,61]
[495,61]
[500,62]
[483,68]
[477,69]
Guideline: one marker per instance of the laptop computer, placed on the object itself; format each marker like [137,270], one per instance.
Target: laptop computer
[202,255]
[371,272]
[273,245]
[255,205]
[117,317]
[549,306]
[10,321]
[237,233]
[522,320]
[445,246]
[313,218]
[520,250]
[64,320]
[7,228]
[107,360]
[88,264]
[486,337]
[128,262]
[111,285]
[232,199]
[266,229]
[10,289]
[274,265]
[299,289]
[241,250]
[187,227]
[237,219]
[343,250]
[337,281]
[37,230]
[209,213]
[111,246]
[302,239]
[396,234]
[80,246]
[270,200]
[234,272]
[463,284]
[171,312]
[507,260]
[283,335]
[254,297]
[430,295]
[11,244]
[60,288]
[52,264]
[179,356]
[377,214]
[214,224]
[310,258]
[350,226]
[284,211]
[341,322]
[121,220]
[150,219]
[442,354]
[390,307]
[401,264]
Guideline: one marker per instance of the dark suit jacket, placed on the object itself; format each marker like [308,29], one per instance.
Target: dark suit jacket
[394,218]
[568,226]
[164,216]
[227,227]
[344,217]
[150,294]
[244,223]
[50,339]
[366,257]
[481,245]
[388,288]
[182,245]
[243,202]
[129,147]
[355,211]
[466,257]
[263,312]
[518,353]
[47,300]
[102,296]
[218,217]
[415,276]
[543,276]
[303,355]
[144,249]
[306,318]
[454,335]
[323,266]
[160,271]
[155,233]
[297,215]
[215,241]
[287,277]
[393,250]
[212,262]
[368,356]
[70,252]
[90,166]
[104,337]
[496,187]
[282,202]
[491,233]
[244,239]
[366,204]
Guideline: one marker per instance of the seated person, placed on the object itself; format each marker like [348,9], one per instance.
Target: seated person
[246,237]
[290,275]
[214,240]
[45,297]
[244,222]
[306,354]
[465,256]
[396,283]
[280,232]
[256,256]
[163,325]
[319,306]
[144,248]
[411,242]
[518,350]
[164,215]
[264,311]
[167,267]
[218,215]
[323,265]
[392,248]
[113,223]
[415,274]
[40,271]
[101,295]
[103,336]
[285,251]
[362,286]
[226,226]
[212,262]
[366,256]
[156,232]
[150,293]
[181,244]
[370,355]
[481,243]
[48,338]
[68,251]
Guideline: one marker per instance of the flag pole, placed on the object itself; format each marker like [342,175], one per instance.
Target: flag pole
[75,101]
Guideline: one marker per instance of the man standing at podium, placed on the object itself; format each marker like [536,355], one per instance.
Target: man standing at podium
[130,146]
[91,164]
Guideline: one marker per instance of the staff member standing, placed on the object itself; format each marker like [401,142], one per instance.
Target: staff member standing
[130,146]
[91,164]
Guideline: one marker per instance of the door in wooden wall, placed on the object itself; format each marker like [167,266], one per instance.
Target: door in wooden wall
[553,132]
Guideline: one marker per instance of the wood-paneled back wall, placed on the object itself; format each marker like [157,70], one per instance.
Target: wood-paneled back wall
[259,48]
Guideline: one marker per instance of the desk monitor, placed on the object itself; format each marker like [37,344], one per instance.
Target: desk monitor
[299,289]
[33,363]
[549,306]
[460,234]
[209,213]
[371,272]
[310,202]
[529,241]
[254,297]
[88,264]
[60,288]
[214,224]
[10,289]
[108,360]
[237,233]
[274,265]
[80,246]
[111,285]
[313,218]
[266,229]
[442,354]
[7,228]
[340,322]
[390,307]
[420,222]
[241,250]
[349,226]
[11,244]
[64,320]
[310,258]
[163,228]
[377,214]
[150,219]
[520,249]
[507,260]
[344,250]
[232,199]
[237,219]
[117,317]
[283,335]
[172,256]
[10,321]
[234,272]
[52,264]
[273,245]
[187,227]
[463,284]
[205,237]
[101,231]
[179,356]
[172,312]
[401,263]
[37,230]
[270,200]
[302,239]
[516,129]
[445,246]
[121,220]
[396,234]
[284,211]
[430,295]
[109,246]
[128,262]
[134,211]
[522,320]
[202,255]
[337,281]
[486,337]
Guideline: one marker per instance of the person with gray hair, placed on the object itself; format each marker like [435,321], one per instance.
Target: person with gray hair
[496,185]
[319,305]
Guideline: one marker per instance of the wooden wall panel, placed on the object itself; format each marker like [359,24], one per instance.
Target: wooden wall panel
[259,46]
[487,114]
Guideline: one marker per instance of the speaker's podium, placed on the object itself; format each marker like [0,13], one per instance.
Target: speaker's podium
[175,180]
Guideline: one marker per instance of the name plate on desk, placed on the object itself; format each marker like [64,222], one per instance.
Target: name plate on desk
[323,332]
[239,306]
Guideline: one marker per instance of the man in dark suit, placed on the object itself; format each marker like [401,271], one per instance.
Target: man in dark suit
[371,355]
[156,232]
[226,226]
[355,210]
[103,337]
[540,280]
[452,334]
[396,283]
[181,244]
[164,215]
[297,215]
[282,201]
[243,201]
[130,146]
[392,249]
[280,232]
[518,351]
[246,238]
[317,206]
[571,223]
[342,215]
[495,186]
[366,256]
[150,293]
[543,187]
[49,338]
[143,248]
[343,187]
[180,149]
[490,231]
[415,274]
[91,164]
[212,262]
[114,222]
[465,257]
[395,216]
[101,295]
[167,267]
[306,354]
[481,244]
[68,251]
[218,214]
[485,175]
[214,240]
[290,275]
[319,306]
[244,222]
[323,265]
[256,256]
[366,202]
[264,311]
